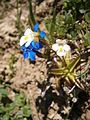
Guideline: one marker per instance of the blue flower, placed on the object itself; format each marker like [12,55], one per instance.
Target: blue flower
[36,28]
[42,34]
[30,51]
[36,45]
[28,46]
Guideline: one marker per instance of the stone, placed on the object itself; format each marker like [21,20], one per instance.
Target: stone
[88,115]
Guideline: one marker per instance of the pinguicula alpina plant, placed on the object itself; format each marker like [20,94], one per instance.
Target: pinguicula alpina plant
[64,66]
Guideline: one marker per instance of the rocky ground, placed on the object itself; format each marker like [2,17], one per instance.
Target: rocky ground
[51,104]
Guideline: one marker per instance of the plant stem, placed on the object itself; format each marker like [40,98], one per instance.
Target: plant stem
[31,14]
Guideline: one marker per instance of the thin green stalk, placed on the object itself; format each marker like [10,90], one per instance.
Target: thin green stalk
[52,26]
[19,12]
[31,14]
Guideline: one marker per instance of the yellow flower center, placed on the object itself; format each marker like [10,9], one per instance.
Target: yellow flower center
[26,38]
[61,49]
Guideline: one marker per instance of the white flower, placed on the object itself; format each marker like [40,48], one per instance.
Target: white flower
[28,32]
[66,47]
[61,49]
[61,42]
[55,47]
[27,38]
[61,52]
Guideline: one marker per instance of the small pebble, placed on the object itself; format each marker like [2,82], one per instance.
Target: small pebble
[74,100]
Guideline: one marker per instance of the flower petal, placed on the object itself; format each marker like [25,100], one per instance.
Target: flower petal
[42,34]
[66,47]
[27,44]
[28,32]
[32,55]
[22,41]
[63,53]
[25,54]
[55,47]
[23,48]
[36,27]
[36,45]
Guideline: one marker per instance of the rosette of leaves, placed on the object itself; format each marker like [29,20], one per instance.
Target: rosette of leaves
[66,69]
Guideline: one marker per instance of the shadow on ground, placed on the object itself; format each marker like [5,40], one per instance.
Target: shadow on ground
[44,102]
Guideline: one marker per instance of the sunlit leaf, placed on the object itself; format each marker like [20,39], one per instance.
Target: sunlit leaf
[87,39]
[67,58]
[58,71]
[82,11]
[73,64]
[87,17]
[72,78]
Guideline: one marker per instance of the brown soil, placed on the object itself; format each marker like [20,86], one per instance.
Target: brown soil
[51,104]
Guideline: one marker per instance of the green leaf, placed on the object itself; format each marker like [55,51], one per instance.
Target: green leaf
[9,107]
[73,64]
[87,39]
[3,92]
[69,19]
[6,117]
[19,115]
[1,108]
[19,99]
[87,17]
[82,11]
[26,111]
[72,77]
[61,71]
[53,23]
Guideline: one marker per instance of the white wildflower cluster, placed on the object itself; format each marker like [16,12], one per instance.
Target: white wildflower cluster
[61,47]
